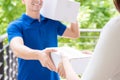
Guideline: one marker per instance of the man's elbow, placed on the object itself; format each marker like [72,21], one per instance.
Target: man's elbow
[76,36]
[15,52]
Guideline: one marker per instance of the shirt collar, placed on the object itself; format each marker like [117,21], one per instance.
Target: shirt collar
[30,20]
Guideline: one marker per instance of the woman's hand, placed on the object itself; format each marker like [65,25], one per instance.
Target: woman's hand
[45,58]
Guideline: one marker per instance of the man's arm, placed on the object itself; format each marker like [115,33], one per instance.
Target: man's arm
[72,31]
[24,52]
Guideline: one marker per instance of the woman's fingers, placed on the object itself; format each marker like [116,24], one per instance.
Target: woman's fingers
[61,70]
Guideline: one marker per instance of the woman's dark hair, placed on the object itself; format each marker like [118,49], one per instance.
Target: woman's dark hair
[117,4]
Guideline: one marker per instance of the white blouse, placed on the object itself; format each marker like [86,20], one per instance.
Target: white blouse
[105,63]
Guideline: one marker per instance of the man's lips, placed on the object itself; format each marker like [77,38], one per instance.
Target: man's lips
[36,4]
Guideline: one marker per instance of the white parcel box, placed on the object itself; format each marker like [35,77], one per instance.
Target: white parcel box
[78,60]
[62,10]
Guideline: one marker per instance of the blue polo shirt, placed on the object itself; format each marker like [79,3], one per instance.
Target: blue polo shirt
[36,35]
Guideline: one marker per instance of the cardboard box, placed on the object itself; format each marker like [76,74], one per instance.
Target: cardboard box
[62,10]
[78,60]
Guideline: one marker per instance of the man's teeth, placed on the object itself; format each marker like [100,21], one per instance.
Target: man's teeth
[35,4]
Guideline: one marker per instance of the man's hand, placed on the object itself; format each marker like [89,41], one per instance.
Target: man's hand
[45,58]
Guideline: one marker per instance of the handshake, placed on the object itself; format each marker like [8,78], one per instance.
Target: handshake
[59,57]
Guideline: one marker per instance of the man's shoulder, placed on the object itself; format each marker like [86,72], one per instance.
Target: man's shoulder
[16,23]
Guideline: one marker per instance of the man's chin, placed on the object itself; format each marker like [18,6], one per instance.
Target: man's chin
[36,10]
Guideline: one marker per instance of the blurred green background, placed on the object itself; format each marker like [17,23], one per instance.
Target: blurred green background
[93,15]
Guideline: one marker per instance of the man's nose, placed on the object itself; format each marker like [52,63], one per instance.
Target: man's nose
[37,1]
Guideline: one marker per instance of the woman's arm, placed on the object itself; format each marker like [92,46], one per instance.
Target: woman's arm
[106,57]
[70,73]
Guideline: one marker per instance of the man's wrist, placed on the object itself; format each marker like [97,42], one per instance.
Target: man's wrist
[37,54]
[76,22]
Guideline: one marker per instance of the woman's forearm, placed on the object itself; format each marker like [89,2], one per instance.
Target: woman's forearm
[70,73]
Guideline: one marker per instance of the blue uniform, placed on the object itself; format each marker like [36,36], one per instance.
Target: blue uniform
[36,35]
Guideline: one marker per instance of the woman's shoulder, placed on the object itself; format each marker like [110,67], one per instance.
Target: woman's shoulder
[112,26]
[115,20]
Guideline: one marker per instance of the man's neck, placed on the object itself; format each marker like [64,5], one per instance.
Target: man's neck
[35,15]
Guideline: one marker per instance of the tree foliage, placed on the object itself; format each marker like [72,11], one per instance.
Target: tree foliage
[10,10]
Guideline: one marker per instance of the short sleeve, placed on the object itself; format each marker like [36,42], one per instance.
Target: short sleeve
[13,31]
[60,28]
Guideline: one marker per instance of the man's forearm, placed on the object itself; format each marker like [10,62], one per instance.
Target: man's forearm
[24,52]
[75,29]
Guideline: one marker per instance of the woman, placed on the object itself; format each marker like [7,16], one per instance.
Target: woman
[105,64]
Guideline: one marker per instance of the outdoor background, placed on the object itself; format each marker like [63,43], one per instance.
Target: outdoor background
[93,15]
